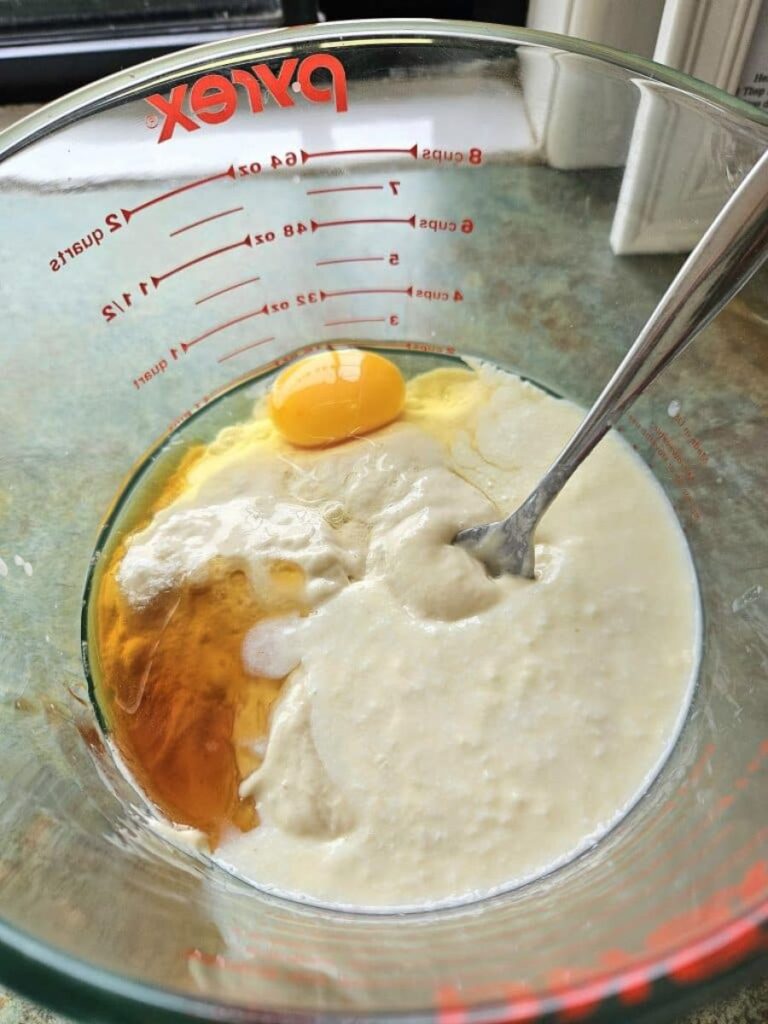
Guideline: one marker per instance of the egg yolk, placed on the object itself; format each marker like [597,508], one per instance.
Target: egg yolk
[332,396]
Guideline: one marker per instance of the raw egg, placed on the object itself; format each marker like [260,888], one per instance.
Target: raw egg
[332,396]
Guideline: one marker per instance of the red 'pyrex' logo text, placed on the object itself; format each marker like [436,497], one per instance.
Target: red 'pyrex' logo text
[213,98]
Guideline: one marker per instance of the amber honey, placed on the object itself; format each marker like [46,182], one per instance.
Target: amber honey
[180,707]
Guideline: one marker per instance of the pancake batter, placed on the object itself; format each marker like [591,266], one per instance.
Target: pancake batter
[440,734]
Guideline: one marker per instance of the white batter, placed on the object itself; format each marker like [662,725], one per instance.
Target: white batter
[441,734]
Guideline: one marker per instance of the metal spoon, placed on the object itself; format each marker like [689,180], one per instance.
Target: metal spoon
[727,256]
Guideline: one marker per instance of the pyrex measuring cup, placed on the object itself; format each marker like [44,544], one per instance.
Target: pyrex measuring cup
[430,189]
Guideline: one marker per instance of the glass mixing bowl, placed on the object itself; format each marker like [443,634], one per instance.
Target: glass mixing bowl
[426,187]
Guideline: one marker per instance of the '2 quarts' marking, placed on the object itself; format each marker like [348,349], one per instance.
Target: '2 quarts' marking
[213,98]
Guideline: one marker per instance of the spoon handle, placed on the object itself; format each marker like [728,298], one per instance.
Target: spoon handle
[732,249]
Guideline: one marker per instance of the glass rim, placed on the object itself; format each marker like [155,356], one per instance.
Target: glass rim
[133,82]
[717,953]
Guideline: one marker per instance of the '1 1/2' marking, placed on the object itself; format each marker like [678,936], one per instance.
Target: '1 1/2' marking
[117,306]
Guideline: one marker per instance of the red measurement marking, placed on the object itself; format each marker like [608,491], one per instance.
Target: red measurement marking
[345,188]
[368,291]
[205,220]
[412,151]
[351,259]
[364,320]
[728,863]
[229,288]
[229,173]
[315,224]
[156,279]
[187,345]
[244,348]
